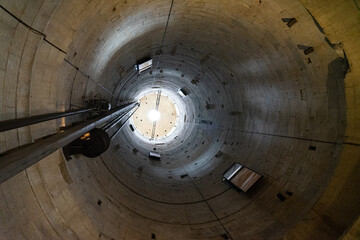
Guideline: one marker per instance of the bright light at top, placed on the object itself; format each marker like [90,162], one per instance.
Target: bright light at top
[154,115]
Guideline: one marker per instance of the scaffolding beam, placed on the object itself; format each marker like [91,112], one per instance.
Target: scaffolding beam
[17,160]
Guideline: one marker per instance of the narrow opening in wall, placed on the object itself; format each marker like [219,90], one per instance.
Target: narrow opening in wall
[313,148]
[281,197]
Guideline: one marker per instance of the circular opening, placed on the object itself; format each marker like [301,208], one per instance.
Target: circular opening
[156,117]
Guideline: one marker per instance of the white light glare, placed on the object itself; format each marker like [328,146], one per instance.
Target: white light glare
[154,115]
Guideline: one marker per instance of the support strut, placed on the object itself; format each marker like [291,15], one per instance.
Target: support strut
[22,122]
[21,158]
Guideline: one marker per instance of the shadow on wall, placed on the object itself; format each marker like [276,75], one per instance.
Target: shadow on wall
[337,70]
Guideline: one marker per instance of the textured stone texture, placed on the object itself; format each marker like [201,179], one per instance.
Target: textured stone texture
[247,75]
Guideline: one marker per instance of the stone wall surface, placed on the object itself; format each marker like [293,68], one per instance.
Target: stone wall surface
[281,99]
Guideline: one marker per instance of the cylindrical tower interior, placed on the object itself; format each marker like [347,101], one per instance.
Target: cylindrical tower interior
[272,85]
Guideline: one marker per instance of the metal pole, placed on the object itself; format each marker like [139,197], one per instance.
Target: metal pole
[117,131]
[156,108]
[18,160]
[117,120]
[22,122]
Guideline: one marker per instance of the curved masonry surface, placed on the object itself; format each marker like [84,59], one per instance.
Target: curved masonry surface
[275,94]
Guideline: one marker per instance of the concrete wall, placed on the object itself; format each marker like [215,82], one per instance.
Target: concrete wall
[269,103]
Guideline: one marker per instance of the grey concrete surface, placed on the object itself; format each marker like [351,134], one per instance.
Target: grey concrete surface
[246,72]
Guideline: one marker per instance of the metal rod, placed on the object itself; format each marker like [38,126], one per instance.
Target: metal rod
[117,131]
[21,158]
[156,108]
[22,122]
[112,123]
[117,120]
[107,126]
